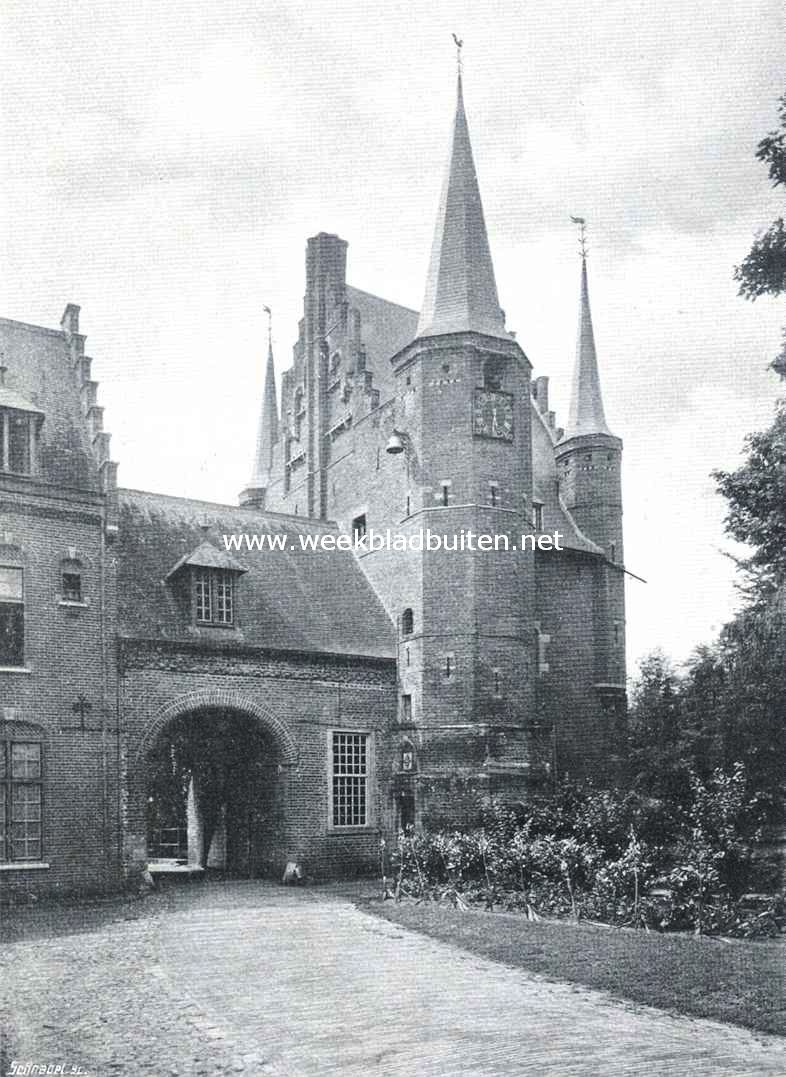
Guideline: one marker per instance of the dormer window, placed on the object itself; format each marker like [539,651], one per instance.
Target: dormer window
[214,597]
[19,425]
[206,582]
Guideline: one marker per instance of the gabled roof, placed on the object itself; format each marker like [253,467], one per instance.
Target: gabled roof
[461,293]
[290,599]
[206,556]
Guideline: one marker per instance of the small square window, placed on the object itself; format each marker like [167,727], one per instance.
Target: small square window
[359,528]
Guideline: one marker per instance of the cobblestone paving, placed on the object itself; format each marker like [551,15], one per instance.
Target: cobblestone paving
[251,978]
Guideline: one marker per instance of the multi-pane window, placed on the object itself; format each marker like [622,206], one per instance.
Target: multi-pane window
[214,597]
[350,779]
[20,800]
[12,617]
[17,441]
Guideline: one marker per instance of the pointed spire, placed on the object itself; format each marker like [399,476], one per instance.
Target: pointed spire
[267,433]
[586,414]
[461,293]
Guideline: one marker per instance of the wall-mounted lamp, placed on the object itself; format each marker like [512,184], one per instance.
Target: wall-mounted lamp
[395,443]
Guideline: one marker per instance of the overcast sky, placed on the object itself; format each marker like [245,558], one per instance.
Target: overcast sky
[164,163]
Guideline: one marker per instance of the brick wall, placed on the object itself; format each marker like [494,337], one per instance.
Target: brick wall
[297,701]
[57,515]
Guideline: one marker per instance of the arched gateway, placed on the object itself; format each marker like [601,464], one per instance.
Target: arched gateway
[209,786]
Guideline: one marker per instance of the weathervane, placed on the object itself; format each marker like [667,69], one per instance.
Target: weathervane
[582,235]
[459,47]
[269,313]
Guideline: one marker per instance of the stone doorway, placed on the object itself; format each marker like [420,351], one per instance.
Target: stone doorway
[214,795]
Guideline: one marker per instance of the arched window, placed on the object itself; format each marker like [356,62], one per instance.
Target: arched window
[407,622]
[71,580]
[12,615]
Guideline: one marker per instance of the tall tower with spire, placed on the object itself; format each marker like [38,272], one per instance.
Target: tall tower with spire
[255,494]
[589,459]
[466,616]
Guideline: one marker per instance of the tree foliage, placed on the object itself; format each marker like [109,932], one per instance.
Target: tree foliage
[763,272]
[728,708]
[756,495]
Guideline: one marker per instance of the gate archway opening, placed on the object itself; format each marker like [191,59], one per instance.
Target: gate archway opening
[214,794]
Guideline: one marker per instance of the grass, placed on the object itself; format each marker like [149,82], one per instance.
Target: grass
[743,983]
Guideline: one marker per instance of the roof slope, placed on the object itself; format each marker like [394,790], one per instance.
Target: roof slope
[461,293]
[290,599]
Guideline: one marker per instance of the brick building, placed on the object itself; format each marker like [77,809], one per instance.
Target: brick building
[165,696]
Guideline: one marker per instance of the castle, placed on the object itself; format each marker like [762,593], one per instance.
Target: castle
[167,699]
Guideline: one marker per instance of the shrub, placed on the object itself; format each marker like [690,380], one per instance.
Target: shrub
[597,853]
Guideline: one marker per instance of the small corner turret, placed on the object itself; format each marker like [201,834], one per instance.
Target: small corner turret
[589,459]
[588,454]
[255,493]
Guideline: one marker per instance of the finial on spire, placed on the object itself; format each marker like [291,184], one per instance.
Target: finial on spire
[461,293]
[586,415]
[459,46]
[269,313]
[581,222]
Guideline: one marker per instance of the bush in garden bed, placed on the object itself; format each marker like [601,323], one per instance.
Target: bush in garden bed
[595,854]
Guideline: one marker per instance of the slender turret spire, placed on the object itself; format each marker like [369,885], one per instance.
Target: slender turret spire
[461,293]
[267,433]
[586,414]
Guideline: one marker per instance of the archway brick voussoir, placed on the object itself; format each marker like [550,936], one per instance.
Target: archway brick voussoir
[227,699]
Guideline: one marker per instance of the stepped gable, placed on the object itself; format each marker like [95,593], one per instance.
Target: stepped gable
[385,328]
[300,600]
[47,371]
